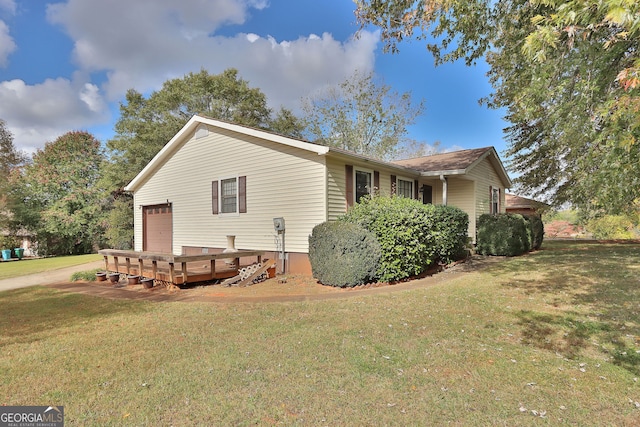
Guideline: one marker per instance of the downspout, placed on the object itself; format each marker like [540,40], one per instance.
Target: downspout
[444,189]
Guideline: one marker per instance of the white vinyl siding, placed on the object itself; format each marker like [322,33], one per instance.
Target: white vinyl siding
[281,181]
[461,195]
[336,189]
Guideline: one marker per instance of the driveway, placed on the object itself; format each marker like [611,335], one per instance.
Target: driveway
[47,277]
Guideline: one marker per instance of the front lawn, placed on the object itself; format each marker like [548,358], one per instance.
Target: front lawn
[23,267]
[546,338]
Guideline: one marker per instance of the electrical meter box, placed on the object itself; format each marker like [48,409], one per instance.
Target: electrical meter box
[278,224]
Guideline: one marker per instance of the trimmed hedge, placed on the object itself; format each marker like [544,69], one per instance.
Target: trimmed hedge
[343,254]
[503,235]
[413,236]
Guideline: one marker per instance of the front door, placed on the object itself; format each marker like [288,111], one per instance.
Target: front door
[157,224]
[427,194]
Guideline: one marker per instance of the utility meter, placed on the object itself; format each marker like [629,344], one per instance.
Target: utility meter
[278,224]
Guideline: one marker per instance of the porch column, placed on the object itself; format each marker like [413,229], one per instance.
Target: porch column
[444,189]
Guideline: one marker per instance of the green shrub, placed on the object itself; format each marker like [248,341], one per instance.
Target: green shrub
[343,254]
[449,228]
[88,275]
[503,235]
[412,235]
[536,231]
[612,227]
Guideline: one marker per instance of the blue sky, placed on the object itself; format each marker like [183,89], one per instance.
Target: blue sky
[67,65]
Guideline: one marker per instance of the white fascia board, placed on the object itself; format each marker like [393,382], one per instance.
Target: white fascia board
[444,172]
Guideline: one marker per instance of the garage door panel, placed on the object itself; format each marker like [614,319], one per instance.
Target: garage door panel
[158,228]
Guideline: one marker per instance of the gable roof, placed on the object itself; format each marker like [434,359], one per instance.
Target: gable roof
[456,163]
[181,137]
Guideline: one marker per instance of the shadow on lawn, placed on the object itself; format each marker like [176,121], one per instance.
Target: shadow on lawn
[595,286]
[29,314]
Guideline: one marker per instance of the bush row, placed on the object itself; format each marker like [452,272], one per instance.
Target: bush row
[508,234]
[412,237]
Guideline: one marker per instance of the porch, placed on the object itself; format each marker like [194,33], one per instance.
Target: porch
[178,269]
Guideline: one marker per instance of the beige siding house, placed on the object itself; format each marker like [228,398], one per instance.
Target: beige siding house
[215,179]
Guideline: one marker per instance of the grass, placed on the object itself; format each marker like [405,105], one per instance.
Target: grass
[31,266]
[546,339]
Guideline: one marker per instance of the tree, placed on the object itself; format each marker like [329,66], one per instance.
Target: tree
[59,200]
[360,115]
[567,72]
[147,124]
[10,160]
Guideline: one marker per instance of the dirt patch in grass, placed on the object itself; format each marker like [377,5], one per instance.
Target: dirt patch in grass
[278,289]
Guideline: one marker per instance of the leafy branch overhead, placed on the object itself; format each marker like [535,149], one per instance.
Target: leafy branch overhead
[361,115]
[567,74]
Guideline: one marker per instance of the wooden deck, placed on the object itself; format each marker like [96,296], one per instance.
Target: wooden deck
[176,269]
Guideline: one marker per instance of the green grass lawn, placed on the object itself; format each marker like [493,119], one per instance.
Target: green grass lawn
[550,338]
[31,266]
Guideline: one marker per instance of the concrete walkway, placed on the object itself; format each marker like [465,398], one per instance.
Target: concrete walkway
[47,277]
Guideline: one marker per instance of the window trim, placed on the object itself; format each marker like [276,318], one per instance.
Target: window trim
[494,202]
[237,207]
[405,179]
[357,169]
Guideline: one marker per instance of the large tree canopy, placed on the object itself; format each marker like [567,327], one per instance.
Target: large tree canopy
[360,115]
[59,200]
[567,73]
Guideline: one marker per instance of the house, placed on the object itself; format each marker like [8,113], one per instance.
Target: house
[524,206]
[215,179]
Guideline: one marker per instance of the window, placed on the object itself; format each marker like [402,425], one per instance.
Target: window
[228,195]
[404,188]
[495,200]
[363,184]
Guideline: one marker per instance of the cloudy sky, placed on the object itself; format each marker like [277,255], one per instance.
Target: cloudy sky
[67,65]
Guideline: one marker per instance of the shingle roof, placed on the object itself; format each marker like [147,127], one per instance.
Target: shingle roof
[457,160]
[514,201]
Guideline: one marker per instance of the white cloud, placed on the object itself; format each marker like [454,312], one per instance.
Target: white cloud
[156,40]
[39,113]
[7,45]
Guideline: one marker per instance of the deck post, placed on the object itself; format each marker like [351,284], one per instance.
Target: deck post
[184,272]
[128,265]
[140,267]
[115,264]
[172,273]
[155,269]
[106,263]
[213,269]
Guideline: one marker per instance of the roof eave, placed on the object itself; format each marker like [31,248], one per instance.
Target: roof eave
[336,152]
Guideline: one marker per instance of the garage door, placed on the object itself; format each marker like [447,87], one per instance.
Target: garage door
[158,228]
